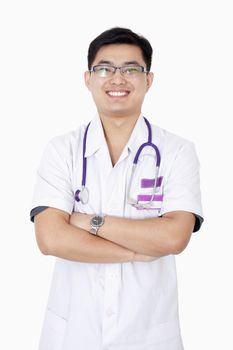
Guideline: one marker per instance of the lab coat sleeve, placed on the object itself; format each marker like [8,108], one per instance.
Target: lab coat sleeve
[53,186]
[182,185]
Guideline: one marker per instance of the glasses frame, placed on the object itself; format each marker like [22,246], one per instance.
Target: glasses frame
[124,74]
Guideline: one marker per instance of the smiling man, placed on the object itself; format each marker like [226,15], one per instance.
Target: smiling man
[115,201]
[123,97]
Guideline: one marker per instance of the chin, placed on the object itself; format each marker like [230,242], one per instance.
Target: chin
[120,112]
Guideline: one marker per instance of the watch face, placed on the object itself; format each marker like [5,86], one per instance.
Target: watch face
[97,220]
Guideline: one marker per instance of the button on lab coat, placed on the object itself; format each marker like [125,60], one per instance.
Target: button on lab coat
[115,306]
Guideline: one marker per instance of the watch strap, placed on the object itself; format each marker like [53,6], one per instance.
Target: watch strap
[94,230]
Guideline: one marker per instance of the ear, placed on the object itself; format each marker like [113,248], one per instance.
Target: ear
[149,78]
[87,77]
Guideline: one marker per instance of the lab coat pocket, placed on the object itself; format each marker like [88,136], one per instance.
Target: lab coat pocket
[53,332]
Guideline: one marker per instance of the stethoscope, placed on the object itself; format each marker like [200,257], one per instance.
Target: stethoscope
[83,194]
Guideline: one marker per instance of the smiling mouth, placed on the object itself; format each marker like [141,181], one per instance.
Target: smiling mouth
[117,93]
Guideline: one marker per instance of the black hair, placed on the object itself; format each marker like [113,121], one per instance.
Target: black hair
[118,35]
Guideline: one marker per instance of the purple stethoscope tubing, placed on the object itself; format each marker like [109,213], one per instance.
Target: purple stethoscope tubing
[84,175]
[150,144]
[83,194]
[79,193]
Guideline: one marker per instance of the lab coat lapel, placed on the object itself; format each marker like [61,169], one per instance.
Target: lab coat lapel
[96,144]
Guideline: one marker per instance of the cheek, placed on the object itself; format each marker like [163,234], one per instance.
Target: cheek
[96,91]
[94,84]
[141,86]
[140,91]
[96,97]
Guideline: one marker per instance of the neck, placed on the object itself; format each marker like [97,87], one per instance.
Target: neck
[120,127]
[117,131]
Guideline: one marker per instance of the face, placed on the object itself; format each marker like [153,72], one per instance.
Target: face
[119,95]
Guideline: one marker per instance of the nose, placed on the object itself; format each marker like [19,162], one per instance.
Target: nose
[118,77]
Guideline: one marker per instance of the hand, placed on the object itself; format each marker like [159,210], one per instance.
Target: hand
[81,220]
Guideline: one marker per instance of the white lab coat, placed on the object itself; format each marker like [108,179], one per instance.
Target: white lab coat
[120,306]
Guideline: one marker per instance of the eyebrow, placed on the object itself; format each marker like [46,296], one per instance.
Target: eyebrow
[126,63]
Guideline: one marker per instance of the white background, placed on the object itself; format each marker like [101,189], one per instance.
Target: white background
[43,56]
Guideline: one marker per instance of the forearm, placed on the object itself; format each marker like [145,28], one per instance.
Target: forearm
[153,236]
[57,237]
[142,236]
[79,245]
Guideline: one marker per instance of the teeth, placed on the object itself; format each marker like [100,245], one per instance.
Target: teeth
[117,93]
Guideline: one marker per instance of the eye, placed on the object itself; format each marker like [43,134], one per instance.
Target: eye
[132,69]
[103,71]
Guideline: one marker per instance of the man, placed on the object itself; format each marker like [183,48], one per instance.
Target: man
[115,227]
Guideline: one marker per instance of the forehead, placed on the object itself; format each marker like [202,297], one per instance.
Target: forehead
[119,54]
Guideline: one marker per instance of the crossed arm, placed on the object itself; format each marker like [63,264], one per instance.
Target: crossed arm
[118,240]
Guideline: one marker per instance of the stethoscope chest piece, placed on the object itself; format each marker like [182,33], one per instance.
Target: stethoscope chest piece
[82,195]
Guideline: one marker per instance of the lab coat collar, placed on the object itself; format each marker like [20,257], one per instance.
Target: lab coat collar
[139,135]
[96,137]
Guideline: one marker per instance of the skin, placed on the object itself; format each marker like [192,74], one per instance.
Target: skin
[118,109]
[118,114]
[119,239]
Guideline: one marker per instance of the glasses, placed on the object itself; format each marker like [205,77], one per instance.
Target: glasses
[105,71]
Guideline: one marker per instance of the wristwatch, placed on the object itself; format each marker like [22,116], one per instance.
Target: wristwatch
[96,222]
